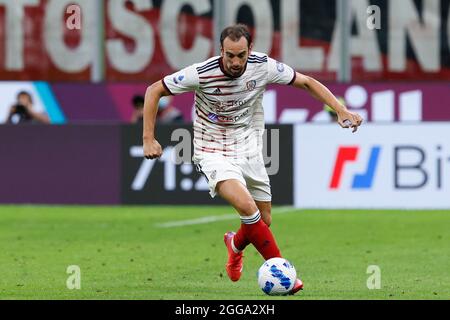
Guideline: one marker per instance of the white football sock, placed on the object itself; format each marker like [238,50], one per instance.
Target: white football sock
[254,218]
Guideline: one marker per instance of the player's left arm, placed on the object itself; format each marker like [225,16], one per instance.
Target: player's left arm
[346,119]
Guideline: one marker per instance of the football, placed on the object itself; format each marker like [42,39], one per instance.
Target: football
[276,277]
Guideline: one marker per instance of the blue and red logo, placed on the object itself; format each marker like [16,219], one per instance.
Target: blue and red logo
[350,154]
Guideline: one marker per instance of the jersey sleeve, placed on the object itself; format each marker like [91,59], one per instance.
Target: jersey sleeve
[182,81]
[279,72]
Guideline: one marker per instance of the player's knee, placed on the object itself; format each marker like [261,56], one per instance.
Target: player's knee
[267,218]
[247,207]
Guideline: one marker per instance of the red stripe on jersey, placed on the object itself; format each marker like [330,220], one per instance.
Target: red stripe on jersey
[213,150]
[216,140]
[202,117]
[211,77]
[200,109]
[215,134]
[224,94]
[232,86]
[220,94]
[223,124]
[216,80]
[204,138]
[199,122]
[201,149]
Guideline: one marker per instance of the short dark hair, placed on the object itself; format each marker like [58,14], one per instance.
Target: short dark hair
[235,32]
[25,93]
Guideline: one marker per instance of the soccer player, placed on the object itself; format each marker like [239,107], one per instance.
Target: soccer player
[228,133]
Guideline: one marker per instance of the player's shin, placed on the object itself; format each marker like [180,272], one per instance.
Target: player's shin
[240,241]
[260,235]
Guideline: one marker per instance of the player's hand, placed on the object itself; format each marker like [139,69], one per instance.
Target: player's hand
[152,149]
[347,119]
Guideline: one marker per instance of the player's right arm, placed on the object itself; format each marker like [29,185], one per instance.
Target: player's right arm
[182,81]
[152,148]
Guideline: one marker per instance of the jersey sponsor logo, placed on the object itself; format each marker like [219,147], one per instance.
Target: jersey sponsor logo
[217,91]
[226,119]
[221,106]
[280,67]
[251,85]
[350,154]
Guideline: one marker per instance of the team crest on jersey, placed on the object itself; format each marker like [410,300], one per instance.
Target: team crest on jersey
[251,85]
[219,106]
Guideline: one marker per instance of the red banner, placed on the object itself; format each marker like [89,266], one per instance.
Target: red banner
[145,40]
[145,43]
[35,43]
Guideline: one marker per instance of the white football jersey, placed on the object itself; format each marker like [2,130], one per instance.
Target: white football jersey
[229,113]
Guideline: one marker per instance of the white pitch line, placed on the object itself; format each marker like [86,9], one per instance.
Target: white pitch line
[211,219]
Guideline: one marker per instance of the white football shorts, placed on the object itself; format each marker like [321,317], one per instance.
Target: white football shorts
[250,172]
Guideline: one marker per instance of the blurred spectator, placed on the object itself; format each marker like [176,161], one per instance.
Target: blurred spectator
[167,113]
[138,112]
[22,111]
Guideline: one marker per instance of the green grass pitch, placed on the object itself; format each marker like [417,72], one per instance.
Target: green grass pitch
[124,253]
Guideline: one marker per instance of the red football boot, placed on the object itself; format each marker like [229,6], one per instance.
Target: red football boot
[298,285]
[234,265]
